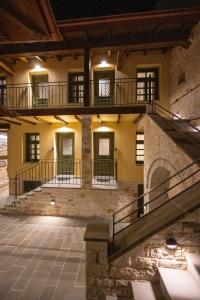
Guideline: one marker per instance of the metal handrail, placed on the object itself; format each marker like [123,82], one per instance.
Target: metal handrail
[175,116]
[153,189]
[115,222]
[185,94]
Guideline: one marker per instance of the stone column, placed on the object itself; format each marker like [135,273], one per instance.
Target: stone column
[97,281]
[86,152]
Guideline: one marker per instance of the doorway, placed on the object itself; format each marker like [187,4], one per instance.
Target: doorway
[104,154]
[65,153]
[40,90]
[104,87]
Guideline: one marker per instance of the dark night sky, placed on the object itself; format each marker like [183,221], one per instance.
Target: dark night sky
[73,9]
[70,9]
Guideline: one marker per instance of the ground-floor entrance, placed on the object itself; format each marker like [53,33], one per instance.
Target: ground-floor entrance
[104,154]
[65,153]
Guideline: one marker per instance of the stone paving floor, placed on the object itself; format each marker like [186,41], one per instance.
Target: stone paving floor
[42,258]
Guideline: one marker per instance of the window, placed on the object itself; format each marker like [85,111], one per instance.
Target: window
[32,147]
[104,87]
[2,90]
[139,147]
[40,89]
[76,87]
[147,84]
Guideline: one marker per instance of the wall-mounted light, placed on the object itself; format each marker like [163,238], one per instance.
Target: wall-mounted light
[53,202]
[103,63]
[38,68]
[171,243]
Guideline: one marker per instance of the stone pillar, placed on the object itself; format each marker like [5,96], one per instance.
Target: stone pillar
[86,152]
[97,282]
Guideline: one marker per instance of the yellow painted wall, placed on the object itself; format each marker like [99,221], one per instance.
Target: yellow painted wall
[124,144]
[16,143]
[125,137]
[58,70]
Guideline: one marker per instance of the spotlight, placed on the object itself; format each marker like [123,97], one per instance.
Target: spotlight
[171,243]
[53,202]
[37,68]
[103,63]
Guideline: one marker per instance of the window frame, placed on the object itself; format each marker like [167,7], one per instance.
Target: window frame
[77,84]
[139,142]
[155,80]
[28,142]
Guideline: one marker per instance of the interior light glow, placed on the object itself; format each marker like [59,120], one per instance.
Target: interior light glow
[37,68]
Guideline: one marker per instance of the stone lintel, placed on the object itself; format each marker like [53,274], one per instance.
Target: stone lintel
[97,233]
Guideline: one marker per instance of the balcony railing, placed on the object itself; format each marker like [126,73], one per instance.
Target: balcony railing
[69,94]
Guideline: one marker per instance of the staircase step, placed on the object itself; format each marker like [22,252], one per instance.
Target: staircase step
[23,197]
[146,290]
[37,189]
[194,266]
[111,298]
[178,284]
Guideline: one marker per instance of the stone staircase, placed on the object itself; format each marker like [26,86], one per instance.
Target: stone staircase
[174,284]
[182,133]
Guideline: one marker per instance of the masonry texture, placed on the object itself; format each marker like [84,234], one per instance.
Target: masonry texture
[185,75]
[74,202]
[141,263]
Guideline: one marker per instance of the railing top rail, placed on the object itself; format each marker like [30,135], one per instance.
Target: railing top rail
[165,181]
[24,84]
[186,93]
[156,208]
[157,197]
[177,117]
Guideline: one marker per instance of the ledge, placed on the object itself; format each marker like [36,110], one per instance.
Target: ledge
[97,233]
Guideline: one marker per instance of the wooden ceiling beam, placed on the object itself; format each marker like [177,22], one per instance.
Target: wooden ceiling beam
[42,120]
[40,58]
[118,118]
[24,59]
[12,14]
[4,126]
[10,121]
[25,121]
[60,119]
[8,113]
[78,118]
[119,60]
[99,119]
[6,68]
[138,118]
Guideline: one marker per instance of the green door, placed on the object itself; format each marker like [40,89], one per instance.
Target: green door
[40,90]
[104,154]
[65,153]
[104,87]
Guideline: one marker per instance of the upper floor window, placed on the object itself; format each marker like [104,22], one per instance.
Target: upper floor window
[139,147]
[40,90]
[2,90]
[32,147]
[76,87]
[104,87]
[147,84]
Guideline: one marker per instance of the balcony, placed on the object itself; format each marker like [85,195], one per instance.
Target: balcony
[63,94]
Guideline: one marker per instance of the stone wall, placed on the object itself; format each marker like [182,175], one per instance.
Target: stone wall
[185,76]
[76,202]
[141,263]
[160,152]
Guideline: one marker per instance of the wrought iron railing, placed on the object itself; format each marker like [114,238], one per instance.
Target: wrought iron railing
[131,214]
[105,173]
[182,126]
[48,173]
[69,94]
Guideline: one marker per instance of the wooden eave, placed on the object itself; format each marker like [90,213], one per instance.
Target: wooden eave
[80,111]
[162,16]
[27,21]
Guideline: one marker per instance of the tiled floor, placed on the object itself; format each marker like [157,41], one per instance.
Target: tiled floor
[42,258]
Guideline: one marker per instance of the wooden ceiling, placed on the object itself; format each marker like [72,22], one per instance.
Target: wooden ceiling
[27,21]
[28,29]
